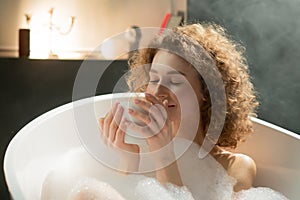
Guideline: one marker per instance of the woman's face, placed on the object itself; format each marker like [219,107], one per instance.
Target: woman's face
[175,80]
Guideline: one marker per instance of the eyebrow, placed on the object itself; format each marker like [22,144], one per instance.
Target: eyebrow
[170,72]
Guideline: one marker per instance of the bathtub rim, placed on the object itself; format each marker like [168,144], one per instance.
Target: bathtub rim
[8,163]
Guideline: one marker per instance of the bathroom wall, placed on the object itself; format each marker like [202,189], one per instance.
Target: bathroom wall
[270,31]
[95,20]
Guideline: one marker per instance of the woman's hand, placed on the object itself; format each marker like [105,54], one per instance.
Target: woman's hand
[113,127]
[158,130]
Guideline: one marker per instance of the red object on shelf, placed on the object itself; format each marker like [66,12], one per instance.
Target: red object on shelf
[165,22]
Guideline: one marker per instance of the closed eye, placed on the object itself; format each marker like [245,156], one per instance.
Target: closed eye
[153,78]
[175,83]
[177,80]
[153,81]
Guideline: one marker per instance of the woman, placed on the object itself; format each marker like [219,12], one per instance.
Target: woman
[171,67]
[197,92]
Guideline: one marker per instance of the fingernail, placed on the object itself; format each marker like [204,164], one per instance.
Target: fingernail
[125,123]
[137,101]
[116,104]
[120,107]
[130,110]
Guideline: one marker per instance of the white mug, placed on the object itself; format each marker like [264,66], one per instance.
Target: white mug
[131,136]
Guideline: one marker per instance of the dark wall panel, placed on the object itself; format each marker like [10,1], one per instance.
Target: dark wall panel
[270,31]
[30,88]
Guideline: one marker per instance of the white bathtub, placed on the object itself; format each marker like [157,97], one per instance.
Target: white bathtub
[36,147]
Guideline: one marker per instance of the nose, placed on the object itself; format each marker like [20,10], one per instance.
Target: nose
[161,92]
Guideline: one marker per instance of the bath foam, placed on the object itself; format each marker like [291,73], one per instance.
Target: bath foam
[89,188]
[259,193]
[77,166]
[150,188]
[205,179]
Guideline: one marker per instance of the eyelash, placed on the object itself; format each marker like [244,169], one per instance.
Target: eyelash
[156,81]
[153,81]
[176,83]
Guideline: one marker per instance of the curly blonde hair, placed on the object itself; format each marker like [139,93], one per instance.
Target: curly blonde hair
[227,56]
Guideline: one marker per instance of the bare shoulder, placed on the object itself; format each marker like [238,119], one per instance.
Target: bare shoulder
[243,169]
[239,166]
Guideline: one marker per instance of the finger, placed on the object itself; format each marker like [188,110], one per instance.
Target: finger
[165,107]
[145,118]
[118,114]
[120,134]
[158,118]
[101,123]
[115,107]
[152,99]
[108,119]
[115,123]
[107,123]
[156,102]
[155,119]
[145,131]
[145,105]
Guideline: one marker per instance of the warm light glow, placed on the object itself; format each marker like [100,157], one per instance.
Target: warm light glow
[48,35]
[39,35]
[93,23]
